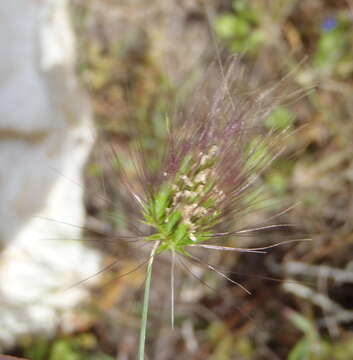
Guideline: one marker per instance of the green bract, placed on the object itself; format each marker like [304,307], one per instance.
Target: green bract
[184,209]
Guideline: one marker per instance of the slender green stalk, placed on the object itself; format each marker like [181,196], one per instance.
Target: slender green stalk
[172,280]
[146,298]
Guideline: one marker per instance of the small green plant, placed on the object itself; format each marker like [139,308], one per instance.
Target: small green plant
[312,346]
[240,29]
[78,347]
[333,53]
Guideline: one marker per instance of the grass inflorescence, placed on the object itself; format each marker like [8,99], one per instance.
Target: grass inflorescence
[207,178]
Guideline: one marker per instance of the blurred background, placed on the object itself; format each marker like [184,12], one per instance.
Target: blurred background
[137,59]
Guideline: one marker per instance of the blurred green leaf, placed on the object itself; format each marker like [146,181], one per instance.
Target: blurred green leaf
[63,350]
[277,182]
[37,350]
[301,351]
[240,28]
[304,325]
[333,52]
[99,357]
[239,5]
[311,346]
[225,26]
[280,118]
[344,349]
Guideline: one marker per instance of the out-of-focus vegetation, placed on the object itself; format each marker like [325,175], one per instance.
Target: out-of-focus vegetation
[137,60]
[76,347]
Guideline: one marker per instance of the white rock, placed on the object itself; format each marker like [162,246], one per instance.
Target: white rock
[45,133]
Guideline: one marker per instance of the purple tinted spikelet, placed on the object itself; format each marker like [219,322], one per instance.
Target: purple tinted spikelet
[214,153]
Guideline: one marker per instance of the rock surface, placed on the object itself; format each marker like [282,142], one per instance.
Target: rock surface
[45,137]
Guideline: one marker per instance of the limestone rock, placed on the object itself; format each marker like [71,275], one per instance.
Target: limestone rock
[45,137]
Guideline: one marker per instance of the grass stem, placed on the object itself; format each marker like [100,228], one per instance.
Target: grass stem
[146,298]
[172,285]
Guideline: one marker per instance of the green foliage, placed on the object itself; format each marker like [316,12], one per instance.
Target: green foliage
[334,53]
[313,347]
[63,349]
[240,29]
[68,348]
[38,350]
[277,181]
[278,177]
[308,344]
[279,119]
[228,345]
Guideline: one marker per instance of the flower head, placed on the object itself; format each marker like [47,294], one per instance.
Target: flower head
[210,164]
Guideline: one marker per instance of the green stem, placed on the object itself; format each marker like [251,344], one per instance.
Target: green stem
[146,298]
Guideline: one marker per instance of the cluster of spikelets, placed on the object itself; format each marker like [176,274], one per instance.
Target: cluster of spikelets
[186,207]
[214,154]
